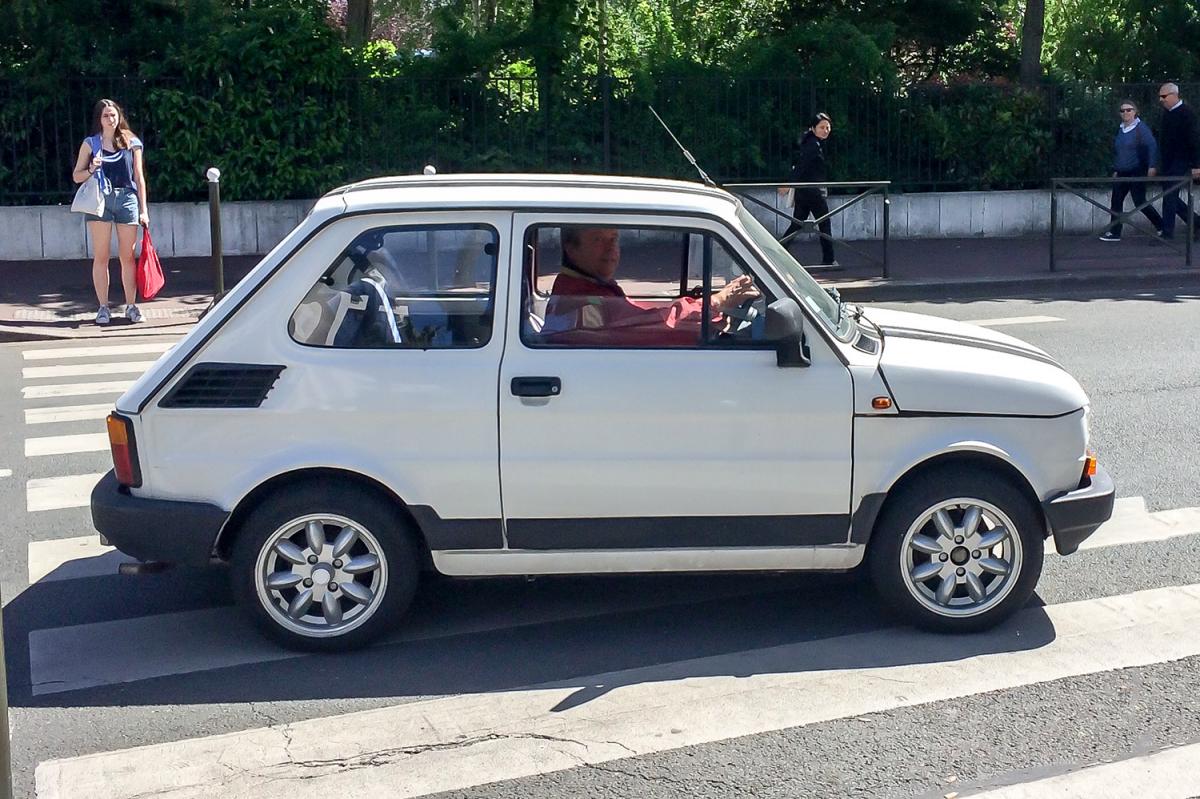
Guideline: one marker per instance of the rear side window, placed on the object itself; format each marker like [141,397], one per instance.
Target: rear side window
[425,287]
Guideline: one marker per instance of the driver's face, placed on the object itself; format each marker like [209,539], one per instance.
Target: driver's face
[598,252]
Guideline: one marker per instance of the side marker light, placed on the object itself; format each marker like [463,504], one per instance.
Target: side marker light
[881,403]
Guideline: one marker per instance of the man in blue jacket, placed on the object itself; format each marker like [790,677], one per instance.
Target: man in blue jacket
[1179,147]
[1134,155]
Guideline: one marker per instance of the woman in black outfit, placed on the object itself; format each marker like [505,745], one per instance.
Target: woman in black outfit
[808,166]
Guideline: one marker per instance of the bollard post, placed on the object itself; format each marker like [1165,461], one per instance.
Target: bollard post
[1053,219]
[887,230]
[5,749]
[1191,224]
[214,228]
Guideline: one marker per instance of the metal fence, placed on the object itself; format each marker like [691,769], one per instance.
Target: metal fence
[920,138]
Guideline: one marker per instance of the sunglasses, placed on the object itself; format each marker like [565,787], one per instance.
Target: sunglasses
[1165,96]
[1127,110]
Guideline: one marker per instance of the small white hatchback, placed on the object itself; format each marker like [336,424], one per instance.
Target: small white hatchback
[516,375]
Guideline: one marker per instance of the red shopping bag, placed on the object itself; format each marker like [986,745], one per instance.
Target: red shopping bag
[149,269]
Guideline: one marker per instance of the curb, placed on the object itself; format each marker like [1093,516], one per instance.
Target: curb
[18,333]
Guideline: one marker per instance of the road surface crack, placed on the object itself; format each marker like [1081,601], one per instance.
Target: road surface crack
[388,756]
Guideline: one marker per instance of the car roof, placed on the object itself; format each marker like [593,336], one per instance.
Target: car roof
[532,191]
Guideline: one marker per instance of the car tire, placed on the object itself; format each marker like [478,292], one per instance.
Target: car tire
[324,566]
[957,550]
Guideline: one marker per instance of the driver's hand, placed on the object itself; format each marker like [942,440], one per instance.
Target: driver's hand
[735,293]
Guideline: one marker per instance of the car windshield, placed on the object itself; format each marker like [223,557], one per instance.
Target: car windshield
[801,282]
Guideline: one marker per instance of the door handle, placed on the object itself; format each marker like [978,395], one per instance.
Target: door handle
[536,386]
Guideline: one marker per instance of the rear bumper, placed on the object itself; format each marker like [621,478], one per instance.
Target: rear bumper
[1075,515]
[155,529]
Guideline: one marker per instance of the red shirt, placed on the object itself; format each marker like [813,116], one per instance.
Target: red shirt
[586,310]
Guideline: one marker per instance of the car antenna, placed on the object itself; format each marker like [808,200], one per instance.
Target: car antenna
[707,180]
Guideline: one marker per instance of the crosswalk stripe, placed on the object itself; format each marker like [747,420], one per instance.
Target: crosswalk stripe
[72,558]
[1013,320]
[1168,774]
[63,445]
[182,643]
[76,389]
[453,743]
[82,369]
[55,493]
[1132,524]
[67,413]
[54,353]
[200,640]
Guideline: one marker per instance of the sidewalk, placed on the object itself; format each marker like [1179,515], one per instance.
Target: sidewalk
[53,299]
[42,300]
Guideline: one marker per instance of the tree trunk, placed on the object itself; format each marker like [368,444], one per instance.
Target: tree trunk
[358,22]
[1033,28]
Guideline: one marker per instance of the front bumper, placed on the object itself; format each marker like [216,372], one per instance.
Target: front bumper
[1075,515]
[155,529]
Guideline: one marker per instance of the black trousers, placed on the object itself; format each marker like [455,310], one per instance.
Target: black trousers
[1173,205]
[1138,192]
[809,202]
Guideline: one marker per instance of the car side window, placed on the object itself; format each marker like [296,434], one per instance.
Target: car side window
[411,287]
[623,287]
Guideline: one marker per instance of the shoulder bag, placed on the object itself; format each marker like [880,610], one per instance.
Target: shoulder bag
[89,197]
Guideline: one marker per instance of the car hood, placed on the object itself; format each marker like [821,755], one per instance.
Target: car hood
[935,365]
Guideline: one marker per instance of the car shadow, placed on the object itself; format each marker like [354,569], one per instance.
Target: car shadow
[465,636]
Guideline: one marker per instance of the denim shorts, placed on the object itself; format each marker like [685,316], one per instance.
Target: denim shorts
[120,206]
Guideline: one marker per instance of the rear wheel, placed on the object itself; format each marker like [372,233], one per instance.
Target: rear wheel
[957,551]
[324,566]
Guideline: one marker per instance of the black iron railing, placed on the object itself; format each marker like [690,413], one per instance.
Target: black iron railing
[867,188]
[1166,184]
[746,129]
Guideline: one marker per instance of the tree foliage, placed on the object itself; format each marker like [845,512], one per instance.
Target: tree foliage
[280,94]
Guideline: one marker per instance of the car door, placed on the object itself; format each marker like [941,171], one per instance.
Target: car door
[700,451]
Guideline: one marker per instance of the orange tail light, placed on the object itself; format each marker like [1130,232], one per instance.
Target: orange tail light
[124,451]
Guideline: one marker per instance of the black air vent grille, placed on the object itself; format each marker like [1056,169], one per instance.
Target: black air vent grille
[223,385]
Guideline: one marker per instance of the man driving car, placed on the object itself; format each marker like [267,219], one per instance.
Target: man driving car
[587,305]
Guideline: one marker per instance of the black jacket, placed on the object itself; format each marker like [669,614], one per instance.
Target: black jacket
[1179,143]
[808,161]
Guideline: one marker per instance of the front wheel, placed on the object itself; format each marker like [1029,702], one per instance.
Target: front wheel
[324,567]
[957,552]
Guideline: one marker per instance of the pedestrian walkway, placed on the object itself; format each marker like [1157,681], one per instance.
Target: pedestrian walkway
[484,733]
[53,299]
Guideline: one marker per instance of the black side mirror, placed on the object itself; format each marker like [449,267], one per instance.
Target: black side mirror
[785,326]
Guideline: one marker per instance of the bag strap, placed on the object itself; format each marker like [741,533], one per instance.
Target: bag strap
[98,152]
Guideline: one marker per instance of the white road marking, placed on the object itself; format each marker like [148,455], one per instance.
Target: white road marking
[90,352]
[55,493]
[5,472]
[1132,524]
[67,413]
[457,742]
[76,389]
[63,445]
[183,643]
[1168,774]
[200,640]
[82,369]
[71,558]
[1013,320]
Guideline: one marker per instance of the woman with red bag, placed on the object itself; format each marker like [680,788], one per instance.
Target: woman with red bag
[114,152]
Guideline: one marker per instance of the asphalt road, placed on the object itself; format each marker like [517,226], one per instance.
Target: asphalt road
[1137,356]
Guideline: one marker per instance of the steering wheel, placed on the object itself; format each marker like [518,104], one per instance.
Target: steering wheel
[742,317]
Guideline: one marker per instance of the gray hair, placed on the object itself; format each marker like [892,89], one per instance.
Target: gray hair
[1171,88]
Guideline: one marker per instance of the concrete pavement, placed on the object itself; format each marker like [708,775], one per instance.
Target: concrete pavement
[53,299]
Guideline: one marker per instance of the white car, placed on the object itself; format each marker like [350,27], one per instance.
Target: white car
[526,375]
